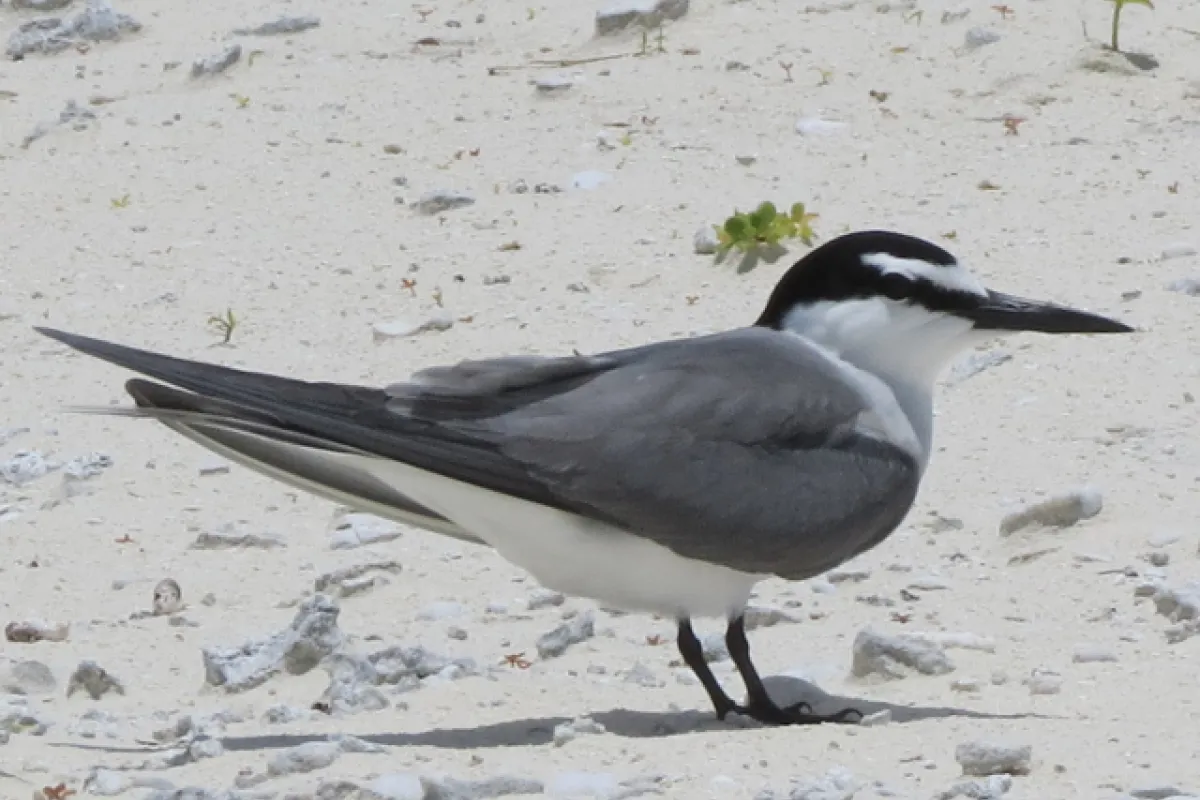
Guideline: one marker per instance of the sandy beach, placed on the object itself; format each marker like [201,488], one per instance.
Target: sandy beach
[382,187]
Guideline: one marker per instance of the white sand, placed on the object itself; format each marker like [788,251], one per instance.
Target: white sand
[285,211]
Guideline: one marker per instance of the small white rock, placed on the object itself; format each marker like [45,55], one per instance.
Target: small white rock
[397,329]
[705,241]
[590,179]
[1178,250]
[1092,654]
[815,126]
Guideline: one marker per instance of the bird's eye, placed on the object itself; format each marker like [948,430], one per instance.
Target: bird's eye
[894,286]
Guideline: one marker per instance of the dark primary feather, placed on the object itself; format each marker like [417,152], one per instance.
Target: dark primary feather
[735,448]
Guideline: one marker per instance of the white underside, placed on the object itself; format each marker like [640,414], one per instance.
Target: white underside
[574,555]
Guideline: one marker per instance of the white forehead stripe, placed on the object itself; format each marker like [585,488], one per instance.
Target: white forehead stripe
[954,277]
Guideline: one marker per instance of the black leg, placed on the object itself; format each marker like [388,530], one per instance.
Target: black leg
[693,655]
[758,705]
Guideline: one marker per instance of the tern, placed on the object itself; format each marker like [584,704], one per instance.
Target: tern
[668,478]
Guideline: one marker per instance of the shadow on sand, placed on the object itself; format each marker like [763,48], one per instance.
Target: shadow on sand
[618,722]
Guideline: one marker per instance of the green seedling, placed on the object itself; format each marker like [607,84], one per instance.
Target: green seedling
[121,202]
[765,227]
[224,324]
[1116,17]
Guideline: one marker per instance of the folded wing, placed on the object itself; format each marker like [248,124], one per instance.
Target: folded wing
[737,448]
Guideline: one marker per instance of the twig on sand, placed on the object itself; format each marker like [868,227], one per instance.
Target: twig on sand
[559,63]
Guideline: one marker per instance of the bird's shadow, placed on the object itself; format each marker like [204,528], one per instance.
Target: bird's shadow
[618,722]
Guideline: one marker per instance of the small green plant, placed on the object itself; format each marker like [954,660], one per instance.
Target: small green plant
[1116,17]
[224,324]
[765,227]
[121,202]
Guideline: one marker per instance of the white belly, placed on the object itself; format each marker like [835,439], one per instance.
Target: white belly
[577,556]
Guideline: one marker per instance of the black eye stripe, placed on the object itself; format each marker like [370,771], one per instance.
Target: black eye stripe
[836,272]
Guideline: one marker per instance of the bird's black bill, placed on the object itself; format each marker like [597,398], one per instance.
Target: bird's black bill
[1004,312]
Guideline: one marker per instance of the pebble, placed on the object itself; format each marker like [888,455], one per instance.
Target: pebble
[1093,654]
[852,575]
[440,610]
[41,5]
[312,635]
[620,14]
[283,714]
[93,679]
[967,685]
[1060,511]
[27,678]
[958,640]
[598,786]
[956,14]
[33,631]
[980,759]
[574,631]
[1160,793]
[312,756]
[544,598]
[566,732]
[1188,286]
[106,783]
[1158,559]
[357,579]
[1042,682]
[992,787]
[228,537]
[282,25]
[838,783]
[815,126]
[1163,539]
[1178,250]
[357,529]
[589,179]
[883,717]
[167,598]
[894,657]
[755,617]
[714,648]
[399,329]
[85,467]
[440,200]
[705,241]
[554,83]
[97,22]
[26,466]
[980,37]
[1180,604]
[975,363]
[218,62]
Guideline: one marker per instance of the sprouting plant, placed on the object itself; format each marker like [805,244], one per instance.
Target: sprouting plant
[1116,17]
[224,324]
[121,202]
[765,227]
[241,100]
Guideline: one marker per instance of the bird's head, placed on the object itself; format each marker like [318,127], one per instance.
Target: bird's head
[894,303]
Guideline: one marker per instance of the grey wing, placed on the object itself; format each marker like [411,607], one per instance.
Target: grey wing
[737,448]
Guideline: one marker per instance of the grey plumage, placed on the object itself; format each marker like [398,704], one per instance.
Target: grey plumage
[643,439]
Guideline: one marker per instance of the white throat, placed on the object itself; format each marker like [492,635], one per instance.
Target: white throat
[902,344]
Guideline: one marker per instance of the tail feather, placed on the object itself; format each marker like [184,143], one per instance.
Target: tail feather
[226,411]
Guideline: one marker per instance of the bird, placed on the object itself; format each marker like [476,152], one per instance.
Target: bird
[667,478]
